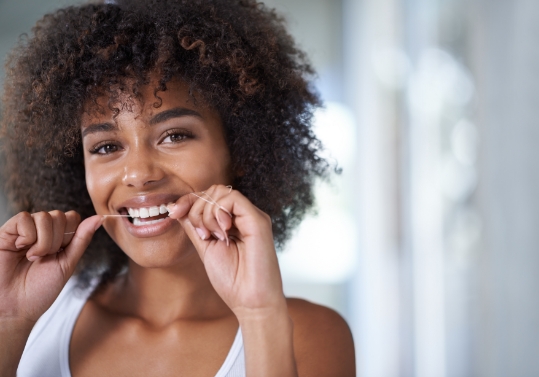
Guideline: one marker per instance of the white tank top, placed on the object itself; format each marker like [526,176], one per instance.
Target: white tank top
[47,350]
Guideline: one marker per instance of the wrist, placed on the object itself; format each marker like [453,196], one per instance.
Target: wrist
[19,325]
[268,341]
[276,309]
[266,323]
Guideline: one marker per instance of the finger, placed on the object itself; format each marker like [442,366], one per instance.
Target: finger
[72,222]
[211,223]
[195,216]
[18,233]
[216,190]
[195,205]
[58,228]
[69,257]
[222,215]
[223,219]
[42,246]
[209,216]
[248,219]
[199,243]
[181,207]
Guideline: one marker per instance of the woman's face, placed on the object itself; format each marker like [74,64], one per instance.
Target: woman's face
[147,157]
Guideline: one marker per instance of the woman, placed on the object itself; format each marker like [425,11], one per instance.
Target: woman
[181,128]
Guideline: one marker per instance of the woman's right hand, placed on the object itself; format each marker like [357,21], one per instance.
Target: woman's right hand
[38,254]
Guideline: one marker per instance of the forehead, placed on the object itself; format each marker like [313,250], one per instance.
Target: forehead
[144,102]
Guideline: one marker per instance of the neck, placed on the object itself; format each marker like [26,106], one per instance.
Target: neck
[160,296]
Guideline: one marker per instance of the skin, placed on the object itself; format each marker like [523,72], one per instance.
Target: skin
[191,282]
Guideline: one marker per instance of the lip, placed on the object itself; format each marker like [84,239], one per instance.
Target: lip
[148,201]
[152,230]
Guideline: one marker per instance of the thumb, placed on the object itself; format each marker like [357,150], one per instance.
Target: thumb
[80,241]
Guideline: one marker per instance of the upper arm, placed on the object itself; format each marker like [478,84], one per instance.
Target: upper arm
[323,343]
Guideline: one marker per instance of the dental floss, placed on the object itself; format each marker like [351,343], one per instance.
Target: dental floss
[104,217]
[211,201]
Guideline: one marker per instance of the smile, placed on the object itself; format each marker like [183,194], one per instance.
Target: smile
[148,215]
[144,216]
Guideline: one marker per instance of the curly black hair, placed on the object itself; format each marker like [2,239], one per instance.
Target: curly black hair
[235,53]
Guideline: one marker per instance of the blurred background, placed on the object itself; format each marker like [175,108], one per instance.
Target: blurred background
[426,243]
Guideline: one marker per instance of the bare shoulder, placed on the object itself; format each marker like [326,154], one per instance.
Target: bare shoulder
[323,342]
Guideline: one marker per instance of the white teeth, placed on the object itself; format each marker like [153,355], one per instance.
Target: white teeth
[138,222]
[154,211]
[144,213]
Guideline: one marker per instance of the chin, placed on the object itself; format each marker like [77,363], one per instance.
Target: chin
[150,253]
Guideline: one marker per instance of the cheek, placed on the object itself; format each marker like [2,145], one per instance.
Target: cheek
[99,185]
[218,172]
[216,164]
[201,169]
[223,167]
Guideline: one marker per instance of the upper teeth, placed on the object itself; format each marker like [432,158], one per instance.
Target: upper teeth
[147,211]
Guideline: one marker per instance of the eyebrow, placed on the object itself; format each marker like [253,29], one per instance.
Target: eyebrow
[163,116]
[99,127]
[176,112]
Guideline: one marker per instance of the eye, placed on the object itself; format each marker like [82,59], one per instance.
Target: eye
[176,136]
[105,148]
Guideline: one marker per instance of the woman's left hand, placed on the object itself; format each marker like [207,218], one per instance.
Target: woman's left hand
[235,242]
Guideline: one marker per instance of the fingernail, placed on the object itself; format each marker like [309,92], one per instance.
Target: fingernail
[218,236]
[33,258]
[170,208]
[219,222]
[201,233]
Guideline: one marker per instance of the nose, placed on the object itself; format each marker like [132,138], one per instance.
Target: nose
[141,170]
